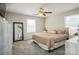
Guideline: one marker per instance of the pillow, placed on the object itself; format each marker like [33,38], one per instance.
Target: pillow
[44,31]
[60,31]
[52,32]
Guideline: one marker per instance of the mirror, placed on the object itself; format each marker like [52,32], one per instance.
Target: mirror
[17,31]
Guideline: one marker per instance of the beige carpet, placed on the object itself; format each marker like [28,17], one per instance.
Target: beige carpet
[28,47]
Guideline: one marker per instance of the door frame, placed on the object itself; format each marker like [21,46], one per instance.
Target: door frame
[14,31]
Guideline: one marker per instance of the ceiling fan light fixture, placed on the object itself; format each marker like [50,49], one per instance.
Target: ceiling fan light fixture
[40,14]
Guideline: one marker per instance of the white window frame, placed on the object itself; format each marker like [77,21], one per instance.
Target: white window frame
[31,24]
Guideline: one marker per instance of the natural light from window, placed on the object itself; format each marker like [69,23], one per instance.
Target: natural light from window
[31,25]
[72,22]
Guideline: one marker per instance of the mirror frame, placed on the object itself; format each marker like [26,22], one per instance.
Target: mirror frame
[14,23]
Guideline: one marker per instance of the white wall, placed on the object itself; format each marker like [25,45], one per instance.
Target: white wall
[13,17]
[54,21]
[58,20]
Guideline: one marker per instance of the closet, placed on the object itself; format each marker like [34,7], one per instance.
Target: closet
[5,33]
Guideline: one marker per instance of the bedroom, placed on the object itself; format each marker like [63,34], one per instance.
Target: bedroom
[34,18]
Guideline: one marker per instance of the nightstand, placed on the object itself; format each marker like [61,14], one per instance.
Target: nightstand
[72,46]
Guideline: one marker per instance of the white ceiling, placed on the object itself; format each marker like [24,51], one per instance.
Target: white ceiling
[29,8]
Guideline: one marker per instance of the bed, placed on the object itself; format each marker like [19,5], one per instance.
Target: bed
[50,40]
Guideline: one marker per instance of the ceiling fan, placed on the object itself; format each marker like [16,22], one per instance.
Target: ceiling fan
[42,12]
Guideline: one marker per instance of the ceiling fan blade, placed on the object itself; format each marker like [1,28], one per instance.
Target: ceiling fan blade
[44,14]
[47,12]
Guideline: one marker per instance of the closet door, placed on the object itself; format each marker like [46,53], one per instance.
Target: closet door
[1,41]
[5,39]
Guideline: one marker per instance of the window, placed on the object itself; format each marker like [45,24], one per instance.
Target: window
[31,25]
[72,22]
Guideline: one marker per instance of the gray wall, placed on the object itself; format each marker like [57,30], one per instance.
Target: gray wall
[54,22]
[13,17]
[58,20]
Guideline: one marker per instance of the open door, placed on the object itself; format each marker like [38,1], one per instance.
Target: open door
[17,31]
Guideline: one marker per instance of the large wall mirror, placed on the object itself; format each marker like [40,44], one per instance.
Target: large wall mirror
[17,31]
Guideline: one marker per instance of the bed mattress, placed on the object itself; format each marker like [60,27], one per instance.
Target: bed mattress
[48,39]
